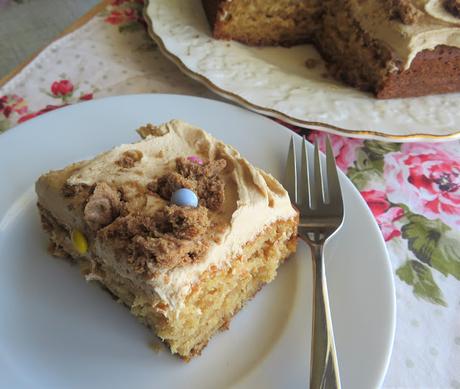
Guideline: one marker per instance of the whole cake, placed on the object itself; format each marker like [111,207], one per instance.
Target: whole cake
[393,48]
[179,227]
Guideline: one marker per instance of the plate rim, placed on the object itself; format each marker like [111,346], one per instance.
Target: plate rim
[392,295]
[320,126]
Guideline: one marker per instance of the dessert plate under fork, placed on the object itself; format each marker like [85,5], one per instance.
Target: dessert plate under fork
[56,331]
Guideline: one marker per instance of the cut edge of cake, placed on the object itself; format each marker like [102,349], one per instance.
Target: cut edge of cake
[358,41]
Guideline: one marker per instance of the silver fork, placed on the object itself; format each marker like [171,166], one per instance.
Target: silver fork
[319,201]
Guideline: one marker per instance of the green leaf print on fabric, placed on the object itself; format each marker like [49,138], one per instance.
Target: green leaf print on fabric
[12,106]
[423,236]
[419,276]
[127,15]
[447,258]
[364,162]
[434,243]
[377,150]
[130,27]
[368,167]
[365,170]
[4,124]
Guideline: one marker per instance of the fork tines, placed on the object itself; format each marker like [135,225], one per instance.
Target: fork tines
[314,192]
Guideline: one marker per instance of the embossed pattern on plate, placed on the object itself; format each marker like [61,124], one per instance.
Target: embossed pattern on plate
[276,81]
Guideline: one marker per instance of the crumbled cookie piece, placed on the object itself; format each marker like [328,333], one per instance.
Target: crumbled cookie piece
[452,6]
[169,236]
[166,185]
[165,252]
[211,192]
[404,11]
[75,190]
[183,222]
[124,228]
[167,239]
[129,158]
[193,170]
[103,206]
[133,197]
[77,195]
[150,129]
[210,186]
[201,178]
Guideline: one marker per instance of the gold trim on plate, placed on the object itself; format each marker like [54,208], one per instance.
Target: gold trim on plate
[274,113]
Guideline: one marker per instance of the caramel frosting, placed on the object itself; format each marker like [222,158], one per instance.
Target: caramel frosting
[253,198]
[433,26]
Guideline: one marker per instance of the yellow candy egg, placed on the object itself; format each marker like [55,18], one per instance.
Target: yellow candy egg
[79,242]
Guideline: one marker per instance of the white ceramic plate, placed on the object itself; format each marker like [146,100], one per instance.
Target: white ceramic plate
[275,81]
[57,331]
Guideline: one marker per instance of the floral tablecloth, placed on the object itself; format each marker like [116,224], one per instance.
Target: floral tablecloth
[412,189]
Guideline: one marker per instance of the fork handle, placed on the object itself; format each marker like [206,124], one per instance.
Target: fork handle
[324,369]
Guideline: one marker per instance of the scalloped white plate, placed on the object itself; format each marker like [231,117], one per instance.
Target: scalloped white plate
[275,81]
[57,331]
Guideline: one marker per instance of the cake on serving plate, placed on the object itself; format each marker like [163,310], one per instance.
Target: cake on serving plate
[393,48]
[180,227]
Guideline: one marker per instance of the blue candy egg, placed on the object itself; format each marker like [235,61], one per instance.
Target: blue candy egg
[184,198]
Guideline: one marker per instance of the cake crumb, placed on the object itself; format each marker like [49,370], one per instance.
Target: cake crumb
[156,346]
[183,222]
[129,158]
[404,10]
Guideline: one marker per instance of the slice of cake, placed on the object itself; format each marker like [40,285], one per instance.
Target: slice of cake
[393,48]
[264,22]
[180,227]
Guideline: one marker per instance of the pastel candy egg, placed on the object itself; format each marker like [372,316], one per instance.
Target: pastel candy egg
[185,198]
[195,159]
[79,241]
